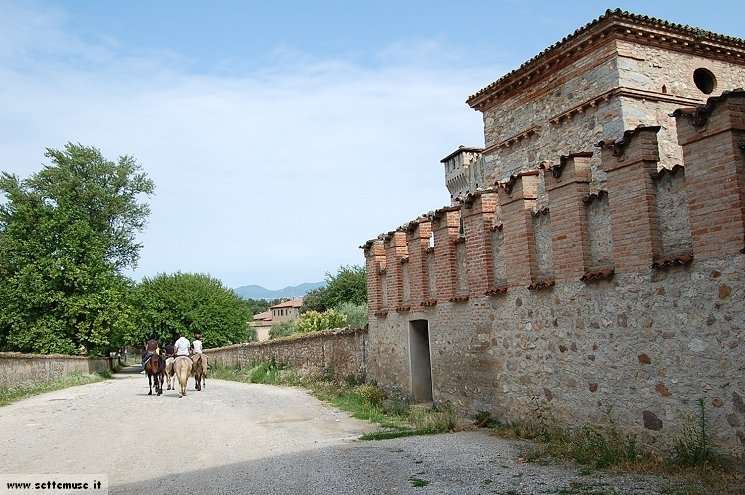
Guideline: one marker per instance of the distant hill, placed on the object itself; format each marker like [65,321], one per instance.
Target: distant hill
[259,292]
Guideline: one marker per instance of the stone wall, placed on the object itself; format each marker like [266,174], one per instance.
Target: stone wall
[616,73]
[340,352]
[640,314]
[18,369]
[523,130]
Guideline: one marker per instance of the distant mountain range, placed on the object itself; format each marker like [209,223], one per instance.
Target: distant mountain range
[259,292]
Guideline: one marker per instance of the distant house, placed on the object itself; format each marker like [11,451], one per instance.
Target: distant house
[286,311]
[279,313]
[262,322]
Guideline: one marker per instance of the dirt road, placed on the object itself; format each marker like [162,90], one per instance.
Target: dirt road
[258,439]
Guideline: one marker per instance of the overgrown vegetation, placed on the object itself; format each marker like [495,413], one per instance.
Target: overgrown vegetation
[356,314]
[13,394]
[347,285]
[395,414]
[346,315]
[284,329]
[693,445]
[189,303]
[694,458]
[313,321]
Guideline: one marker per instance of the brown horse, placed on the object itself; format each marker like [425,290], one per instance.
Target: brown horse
[199,370]
[155,369]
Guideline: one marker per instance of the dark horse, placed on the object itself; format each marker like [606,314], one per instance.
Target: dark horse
[155,368]
[199,369]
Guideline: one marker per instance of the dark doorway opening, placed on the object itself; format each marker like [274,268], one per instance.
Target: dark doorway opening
[419,358]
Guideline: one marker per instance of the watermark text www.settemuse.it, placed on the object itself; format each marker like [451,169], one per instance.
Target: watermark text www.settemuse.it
[54,484]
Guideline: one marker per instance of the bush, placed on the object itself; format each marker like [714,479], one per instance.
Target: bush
[283,329]
[436,420]
[356,314]
[313,321]
[349,284]
[371,393]
[693,446]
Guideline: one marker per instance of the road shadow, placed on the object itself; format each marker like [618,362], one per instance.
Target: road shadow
[464,464]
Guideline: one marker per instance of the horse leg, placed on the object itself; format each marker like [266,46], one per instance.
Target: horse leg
[159,383]
[150,382]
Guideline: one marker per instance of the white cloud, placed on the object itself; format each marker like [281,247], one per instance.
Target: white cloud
[270,177]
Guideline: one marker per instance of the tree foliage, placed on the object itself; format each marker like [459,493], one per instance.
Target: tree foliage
[256,306]
[65,234]
[189,303]
[347,285]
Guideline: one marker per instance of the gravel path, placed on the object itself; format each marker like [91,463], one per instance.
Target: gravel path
[256,439]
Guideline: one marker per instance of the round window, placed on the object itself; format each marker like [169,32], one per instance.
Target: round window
[704,80]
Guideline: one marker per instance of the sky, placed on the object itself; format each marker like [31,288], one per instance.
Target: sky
[280,135]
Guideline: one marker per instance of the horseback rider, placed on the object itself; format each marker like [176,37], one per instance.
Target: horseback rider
[197,343]
[169,349]
[151,347]
[181,346]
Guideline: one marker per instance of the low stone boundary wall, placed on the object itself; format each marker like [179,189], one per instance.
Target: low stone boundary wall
[342,352]
[19,369]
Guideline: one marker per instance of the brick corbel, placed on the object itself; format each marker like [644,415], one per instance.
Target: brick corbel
[395,249]
[446,223]
[374,258]
[478,214]
[417,239]
[713,137]
[517,198]
[631,163]
[567,184]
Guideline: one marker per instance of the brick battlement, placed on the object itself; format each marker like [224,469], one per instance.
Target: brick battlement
[546,288]
[715,223]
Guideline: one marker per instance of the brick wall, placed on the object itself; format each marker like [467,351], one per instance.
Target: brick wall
[626,300]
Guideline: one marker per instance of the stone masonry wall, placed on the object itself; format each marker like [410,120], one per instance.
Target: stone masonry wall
[641,314]
[339,352]
[616,86]
[530,115]
[18,369]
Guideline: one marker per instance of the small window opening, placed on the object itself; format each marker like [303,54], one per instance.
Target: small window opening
[704,80]
[461,229]
[664,89]
[432,240]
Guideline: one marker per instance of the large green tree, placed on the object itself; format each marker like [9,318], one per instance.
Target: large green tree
[347,285]
[189,303]
[66,232]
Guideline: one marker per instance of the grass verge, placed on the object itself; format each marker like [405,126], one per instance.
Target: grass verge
[693,460]
[13,394]
[396,416]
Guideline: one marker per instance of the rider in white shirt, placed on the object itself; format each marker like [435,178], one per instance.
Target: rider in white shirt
[197,344]
[181,347]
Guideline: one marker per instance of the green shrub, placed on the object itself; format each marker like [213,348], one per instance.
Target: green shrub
[356,314]
[313,321]
[588,445]
[371,393]
[267,372]
[283,329]
[693,446]
[436,420]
